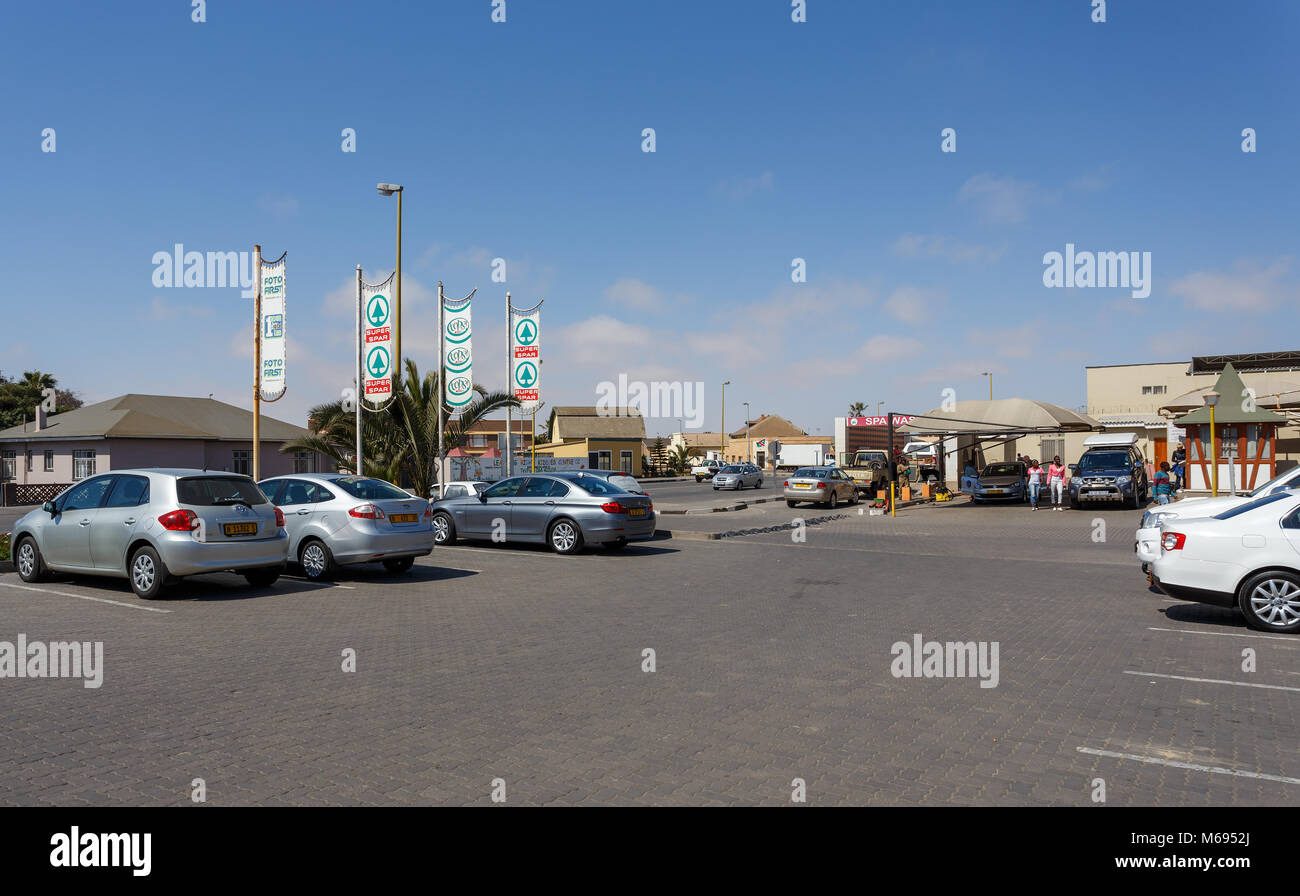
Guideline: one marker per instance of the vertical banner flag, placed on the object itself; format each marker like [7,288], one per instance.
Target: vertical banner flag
[270,379]
[377,340]
[457,355]
[526,357]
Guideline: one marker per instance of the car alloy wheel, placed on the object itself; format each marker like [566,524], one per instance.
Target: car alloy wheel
[564,537]
[1274,600]
[441,528]
[835,500]
[26,560]
[143,572]
[314,560]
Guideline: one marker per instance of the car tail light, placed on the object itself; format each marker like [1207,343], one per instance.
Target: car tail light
[367,512]
[428,512]
[279,518]
[821,485]
[650,508]
[1173,541]
[179,521]
[785,484]
[612,507]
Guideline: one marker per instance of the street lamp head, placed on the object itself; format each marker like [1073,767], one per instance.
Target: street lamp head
[388,189]
[1212,398]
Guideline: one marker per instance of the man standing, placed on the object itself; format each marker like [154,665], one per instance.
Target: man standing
[1179,457]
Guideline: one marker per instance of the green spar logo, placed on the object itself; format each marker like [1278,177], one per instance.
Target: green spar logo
[526,332]
[377,311]
[377,362]
[526,375]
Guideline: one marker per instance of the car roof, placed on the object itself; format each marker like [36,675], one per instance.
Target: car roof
[172,471]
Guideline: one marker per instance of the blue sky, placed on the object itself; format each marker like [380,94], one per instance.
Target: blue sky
[775,141]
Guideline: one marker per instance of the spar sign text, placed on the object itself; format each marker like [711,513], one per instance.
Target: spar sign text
[377,341]
[526,358]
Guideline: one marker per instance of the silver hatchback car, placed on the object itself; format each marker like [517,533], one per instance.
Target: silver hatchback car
[337,520]
[563,510]
[154,527]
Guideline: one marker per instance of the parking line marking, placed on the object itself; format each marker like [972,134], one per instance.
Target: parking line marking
[1196,767]
[1185,631]
[1240,684]
[100,600]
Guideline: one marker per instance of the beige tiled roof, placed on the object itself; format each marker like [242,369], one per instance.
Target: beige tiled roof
[158,417]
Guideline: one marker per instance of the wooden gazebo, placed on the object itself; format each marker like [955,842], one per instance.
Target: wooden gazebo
[1245,439]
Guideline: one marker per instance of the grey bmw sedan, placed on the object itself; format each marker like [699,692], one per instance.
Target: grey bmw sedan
[563,510]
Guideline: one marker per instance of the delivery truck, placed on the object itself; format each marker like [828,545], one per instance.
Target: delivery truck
[791,457]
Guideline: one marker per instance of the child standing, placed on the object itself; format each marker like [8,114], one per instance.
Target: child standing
[1035,483]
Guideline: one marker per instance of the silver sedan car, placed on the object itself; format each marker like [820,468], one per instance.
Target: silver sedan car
[738,476]
[338,520]
[563,510]
[154,527]
[820,485]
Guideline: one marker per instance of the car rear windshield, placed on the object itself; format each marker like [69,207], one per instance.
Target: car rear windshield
[1253,505]
[809,473]
[626,483]
[594,486]
[213,491]
[369,489]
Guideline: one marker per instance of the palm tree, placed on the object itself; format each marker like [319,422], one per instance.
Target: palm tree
[400,443]
[679,460]
[857,409]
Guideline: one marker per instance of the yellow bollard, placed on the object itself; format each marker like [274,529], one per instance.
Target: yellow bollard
[891,499]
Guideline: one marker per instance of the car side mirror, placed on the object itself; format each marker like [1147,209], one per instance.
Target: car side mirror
[49,508]
[1074,467]
[482,497]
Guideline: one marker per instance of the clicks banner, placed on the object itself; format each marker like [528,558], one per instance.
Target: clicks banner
[378,336]
[457,354]
[526,356]
[270,379]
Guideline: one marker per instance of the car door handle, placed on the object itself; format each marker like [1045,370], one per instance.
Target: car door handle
[84,523]
[303,512]
[506,503]
[550,503]
[129,521]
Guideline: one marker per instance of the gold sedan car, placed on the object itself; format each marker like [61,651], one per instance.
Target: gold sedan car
[820,485]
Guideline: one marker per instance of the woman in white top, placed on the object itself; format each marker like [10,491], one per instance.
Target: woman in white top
[1035,483]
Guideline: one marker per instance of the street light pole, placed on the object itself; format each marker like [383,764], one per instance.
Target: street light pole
[722,436]
[389,190]
[990,376]
[1211,399]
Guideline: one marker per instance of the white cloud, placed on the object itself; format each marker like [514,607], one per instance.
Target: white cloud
[740,188]
[918,245]
[1247,288]
[602,340]
[634,293]
[913,305]
[1003,200]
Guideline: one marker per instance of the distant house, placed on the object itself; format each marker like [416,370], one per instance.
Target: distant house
[144,431]
[610,438]
[485,435]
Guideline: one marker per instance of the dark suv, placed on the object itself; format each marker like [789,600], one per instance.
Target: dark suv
[1110,473]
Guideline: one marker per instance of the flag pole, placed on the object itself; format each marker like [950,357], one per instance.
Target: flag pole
[442,391]
[361,384]
[510,383]
[257,362]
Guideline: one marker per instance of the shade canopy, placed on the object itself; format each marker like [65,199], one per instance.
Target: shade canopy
[1002,416]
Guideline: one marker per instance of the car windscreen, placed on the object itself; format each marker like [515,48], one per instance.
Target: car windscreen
[1253,505]
[810,473]
[369,489]
[1289,479]
[1104,460]
[214,491]
[1002,470]
[732,469]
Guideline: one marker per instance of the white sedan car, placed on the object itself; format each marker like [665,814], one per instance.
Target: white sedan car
[1246,557]
[1147,541]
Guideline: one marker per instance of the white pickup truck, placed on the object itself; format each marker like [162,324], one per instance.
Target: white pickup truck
[706,469]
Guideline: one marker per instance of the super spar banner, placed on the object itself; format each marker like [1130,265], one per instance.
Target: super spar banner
[270,380]
[526,357]
[457,354]
[377,338]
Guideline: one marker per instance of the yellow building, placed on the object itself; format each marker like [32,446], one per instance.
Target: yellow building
[610,439]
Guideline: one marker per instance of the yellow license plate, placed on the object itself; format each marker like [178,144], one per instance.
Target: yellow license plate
[802,485]
[239,529]
[636,511]
[404,517]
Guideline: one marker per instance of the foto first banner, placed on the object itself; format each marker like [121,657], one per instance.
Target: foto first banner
[270,381]
[457,354]
[377,339]
[526,357]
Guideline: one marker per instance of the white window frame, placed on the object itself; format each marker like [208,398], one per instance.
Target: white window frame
[83,460]
[49,461]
